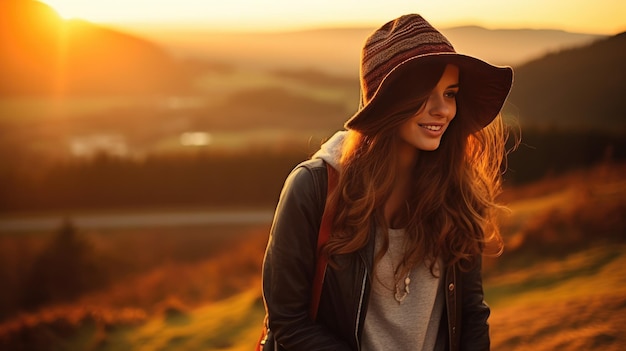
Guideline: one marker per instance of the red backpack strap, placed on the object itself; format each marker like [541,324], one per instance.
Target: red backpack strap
[322,238]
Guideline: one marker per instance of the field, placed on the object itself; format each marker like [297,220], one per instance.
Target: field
[561,283]
[574,303]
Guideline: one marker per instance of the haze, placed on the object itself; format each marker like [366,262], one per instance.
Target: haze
[598,17]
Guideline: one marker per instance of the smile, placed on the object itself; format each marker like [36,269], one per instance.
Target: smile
[434,128]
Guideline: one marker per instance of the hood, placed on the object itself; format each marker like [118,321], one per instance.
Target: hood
[330,151]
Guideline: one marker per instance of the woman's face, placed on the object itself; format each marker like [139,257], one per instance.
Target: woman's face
[424,130]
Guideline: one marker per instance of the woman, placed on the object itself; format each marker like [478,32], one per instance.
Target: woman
[419,170]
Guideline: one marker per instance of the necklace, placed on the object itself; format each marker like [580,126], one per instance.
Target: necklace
[400,294]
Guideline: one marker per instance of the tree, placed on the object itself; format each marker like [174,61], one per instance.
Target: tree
[64,270]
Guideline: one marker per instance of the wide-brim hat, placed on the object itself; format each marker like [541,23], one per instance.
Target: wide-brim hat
[410,43]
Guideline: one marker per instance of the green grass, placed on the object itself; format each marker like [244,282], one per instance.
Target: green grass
[576,275]
[232,324]
[574,303]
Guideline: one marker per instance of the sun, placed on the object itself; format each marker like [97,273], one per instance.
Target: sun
[100,11]
[69,9]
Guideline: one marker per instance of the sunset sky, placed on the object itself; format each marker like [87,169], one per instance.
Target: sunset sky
[600,16]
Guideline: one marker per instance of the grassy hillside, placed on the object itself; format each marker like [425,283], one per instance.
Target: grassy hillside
[574,303]
[561,284]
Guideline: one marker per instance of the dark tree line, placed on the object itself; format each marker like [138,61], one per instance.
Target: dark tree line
[553,151]
[165,181]
[248,180]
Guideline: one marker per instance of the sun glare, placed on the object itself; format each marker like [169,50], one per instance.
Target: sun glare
[98,11]
[66,9]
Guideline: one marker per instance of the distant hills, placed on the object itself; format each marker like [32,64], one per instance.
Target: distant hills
[337,50]
[514,47]
[44,54]
[582,88]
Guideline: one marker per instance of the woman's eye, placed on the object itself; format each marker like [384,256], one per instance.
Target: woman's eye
[450,94]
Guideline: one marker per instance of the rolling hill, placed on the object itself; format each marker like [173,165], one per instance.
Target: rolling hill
[43,54]
[578,88]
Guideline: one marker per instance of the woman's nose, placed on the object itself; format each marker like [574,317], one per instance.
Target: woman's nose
[439,106]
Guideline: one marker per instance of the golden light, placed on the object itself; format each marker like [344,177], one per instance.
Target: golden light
[603,16]
[67,9]
[112,11]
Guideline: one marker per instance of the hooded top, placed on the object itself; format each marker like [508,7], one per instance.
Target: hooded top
[330,151]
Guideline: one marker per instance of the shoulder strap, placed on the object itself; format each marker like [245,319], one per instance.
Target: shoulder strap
[321,259]
[322,238]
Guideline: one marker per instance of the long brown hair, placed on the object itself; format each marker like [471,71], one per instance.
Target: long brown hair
[452,209]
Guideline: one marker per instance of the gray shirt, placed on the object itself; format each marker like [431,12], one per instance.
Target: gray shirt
[412,324]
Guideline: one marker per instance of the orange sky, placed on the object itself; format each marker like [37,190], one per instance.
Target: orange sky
[600,16]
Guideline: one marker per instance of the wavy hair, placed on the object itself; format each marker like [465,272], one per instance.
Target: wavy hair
[451,211]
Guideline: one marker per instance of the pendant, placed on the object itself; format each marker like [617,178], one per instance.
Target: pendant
[400,296]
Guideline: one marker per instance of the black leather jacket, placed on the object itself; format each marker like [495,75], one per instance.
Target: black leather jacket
[289,268]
